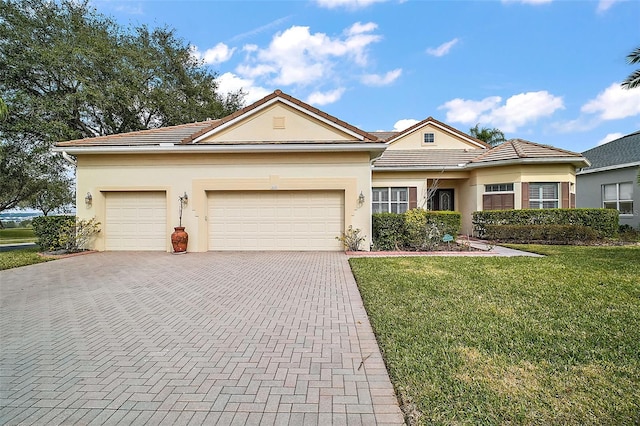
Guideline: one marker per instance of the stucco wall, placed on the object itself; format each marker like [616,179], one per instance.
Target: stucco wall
[589,191]
[196,174]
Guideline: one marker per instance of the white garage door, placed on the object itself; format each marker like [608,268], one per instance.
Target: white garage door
[136,221]
[275,220]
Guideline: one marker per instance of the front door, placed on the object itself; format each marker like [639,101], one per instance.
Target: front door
[443,200]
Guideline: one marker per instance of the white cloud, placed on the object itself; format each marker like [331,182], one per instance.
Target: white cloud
[610,137]
[298,57]
[604,5]
[614,103]
[382,80]
[443,49]
[216,55]
[403,124]
[320,98]
[229,82]
[349,4]
[517,111]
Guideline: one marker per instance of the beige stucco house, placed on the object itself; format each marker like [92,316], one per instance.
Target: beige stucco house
[283,175]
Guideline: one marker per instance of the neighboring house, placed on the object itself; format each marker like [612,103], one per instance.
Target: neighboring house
[282,175]
[611,181]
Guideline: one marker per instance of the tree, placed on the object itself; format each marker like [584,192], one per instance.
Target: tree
[3,109]
[493,137]
[633,80]
[68,72]
[55,195]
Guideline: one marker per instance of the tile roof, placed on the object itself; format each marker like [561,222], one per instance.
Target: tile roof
[187,133]
[624,150]
[515,149]
[512,150]
[383,136]
[426,158]
[171,134]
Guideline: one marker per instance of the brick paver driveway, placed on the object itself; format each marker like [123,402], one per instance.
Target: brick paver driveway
[205,338]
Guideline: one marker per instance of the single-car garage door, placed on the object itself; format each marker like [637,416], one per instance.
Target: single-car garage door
[136,221]
[275,220]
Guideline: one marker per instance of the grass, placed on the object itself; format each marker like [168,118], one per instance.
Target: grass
[23,257]
[551,340]
[17,235]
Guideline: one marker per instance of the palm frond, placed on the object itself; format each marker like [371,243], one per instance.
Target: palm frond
[632,81]
[634,56]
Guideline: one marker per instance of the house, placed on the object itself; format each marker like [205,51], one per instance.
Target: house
[611,181]
[282,175]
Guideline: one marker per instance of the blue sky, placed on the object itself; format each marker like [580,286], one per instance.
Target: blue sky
[548,71]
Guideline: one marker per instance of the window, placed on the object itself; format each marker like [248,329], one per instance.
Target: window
[543,195]
[618,196]
[390,200]
[429,137]
[499,187]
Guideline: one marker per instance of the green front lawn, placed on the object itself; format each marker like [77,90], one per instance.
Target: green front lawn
[22,257]
[481,340]
[17,235]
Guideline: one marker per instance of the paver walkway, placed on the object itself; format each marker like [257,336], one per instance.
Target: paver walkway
[204,338]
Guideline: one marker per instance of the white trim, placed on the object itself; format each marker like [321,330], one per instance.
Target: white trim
[466,166]
[268,104]
[444,129]
[186,149]
[606,168]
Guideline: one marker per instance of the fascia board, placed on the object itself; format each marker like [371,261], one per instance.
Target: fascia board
[607,168]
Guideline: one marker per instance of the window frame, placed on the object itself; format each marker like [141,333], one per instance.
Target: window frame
[432,137]
[509,188]
[393,198]
[618,200]
[541,200]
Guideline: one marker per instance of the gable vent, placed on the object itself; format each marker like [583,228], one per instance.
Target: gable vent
[278,122]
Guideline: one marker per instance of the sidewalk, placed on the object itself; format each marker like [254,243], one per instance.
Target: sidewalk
[485,248]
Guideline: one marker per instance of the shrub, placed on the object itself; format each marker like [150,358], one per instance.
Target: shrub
[48,229]
[558,234]
[64,232]
[388,231]
[76,236]
[417,229]
[351,239]
[604,222]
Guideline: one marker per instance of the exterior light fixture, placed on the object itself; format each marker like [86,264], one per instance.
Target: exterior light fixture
[88,199]
[361,198]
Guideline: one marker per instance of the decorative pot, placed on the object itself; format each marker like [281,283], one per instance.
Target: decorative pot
[179,240]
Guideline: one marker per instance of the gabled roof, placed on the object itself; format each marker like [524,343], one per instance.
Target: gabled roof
[441,125]
[514,151]
[193,133]
[619,153]
[278,95]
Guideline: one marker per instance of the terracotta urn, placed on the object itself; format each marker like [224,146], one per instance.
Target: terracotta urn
[179,240]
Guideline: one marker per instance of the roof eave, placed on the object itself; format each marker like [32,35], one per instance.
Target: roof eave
[372,147]
[607,168]
[576,161]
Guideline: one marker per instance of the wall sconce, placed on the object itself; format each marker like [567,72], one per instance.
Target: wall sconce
[184,199]
[88,200]
[361,198]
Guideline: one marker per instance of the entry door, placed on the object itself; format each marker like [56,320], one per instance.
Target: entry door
[443,200]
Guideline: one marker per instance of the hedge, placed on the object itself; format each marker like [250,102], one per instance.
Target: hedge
[557,234]
[48,229]
[604,222]
[417,229]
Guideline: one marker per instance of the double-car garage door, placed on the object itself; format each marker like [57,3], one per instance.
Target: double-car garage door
[275,220]
[237,220]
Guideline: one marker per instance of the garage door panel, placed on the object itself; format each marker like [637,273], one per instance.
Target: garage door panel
[135,221]
[282,220]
